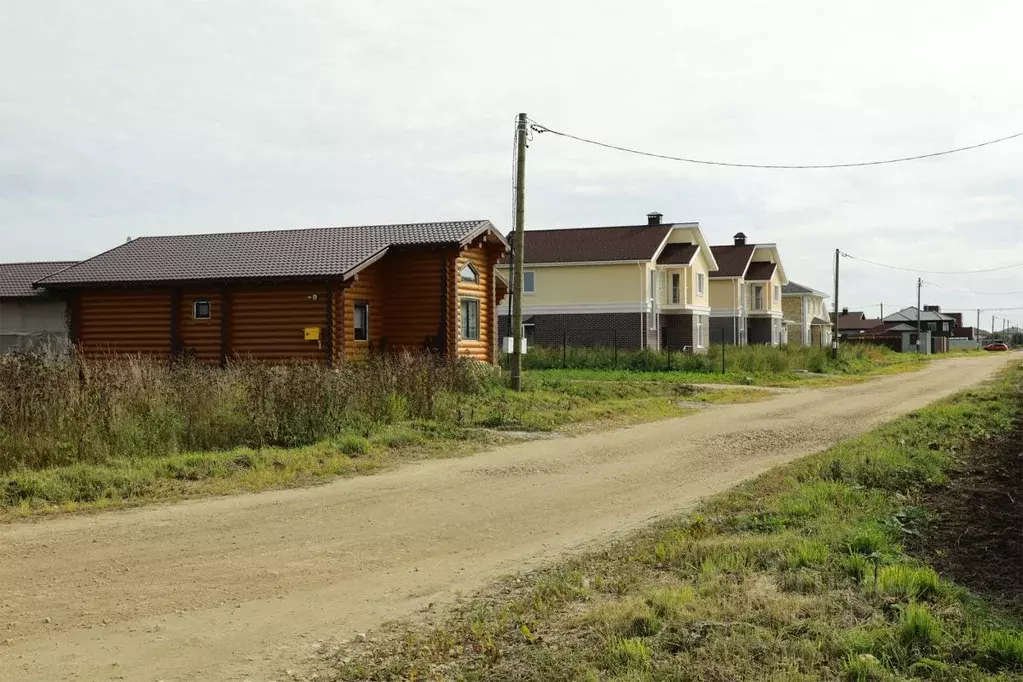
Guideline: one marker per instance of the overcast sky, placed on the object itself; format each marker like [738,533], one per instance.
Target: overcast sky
[139,117]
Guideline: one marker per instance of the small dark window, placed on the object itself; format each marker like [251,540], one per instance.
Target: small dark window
[469,274]
[201,309]
[470,319]
[361,323]
[529,332]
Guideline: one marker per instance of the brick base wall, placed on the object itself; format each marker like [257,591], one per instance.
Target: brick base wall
[584,329]
[677,331]
[726,324]
[760,329]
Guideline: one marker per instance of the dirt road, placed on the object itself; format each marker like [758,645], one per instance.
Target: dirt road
[236,588]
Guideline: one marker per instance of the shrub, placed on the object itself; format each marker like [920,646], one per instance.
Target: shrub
[917,627]
[908,582]
[1001,649]
[628,654]
[59,410]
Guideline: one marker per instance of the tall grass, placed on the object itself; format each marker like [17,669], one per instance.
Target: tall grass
[57,410]
[756,359]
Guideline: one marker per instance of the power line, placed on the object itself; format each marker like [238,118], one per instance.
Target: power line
[539,128]
[933,272]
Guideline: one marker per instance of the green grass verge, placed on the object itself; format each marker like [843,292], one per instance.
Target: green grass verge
[478,422]
[800,574]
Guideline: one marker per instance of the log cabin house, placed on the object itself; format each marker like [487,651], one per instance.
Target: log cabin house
[319,295]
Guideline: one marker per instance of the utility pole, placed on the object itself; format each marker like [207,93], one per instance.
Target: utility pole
[919,285]
[517,244]
[992,332]
[882,312]
[976,330]
[834,333]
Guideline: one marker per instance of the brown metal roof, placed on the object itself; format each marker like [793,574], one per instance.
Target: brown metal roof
[16,278]
[594,244]
[329,251]
[732,260]
[677,254]
[855,321]
[761,271]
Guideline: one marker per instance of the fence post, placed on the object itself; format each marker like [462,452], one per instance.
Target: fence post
[722,351]
[667,345]
[614,344]
[564,349]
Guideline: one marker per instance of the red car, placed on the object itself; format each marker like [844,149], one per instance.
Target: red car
[996,346]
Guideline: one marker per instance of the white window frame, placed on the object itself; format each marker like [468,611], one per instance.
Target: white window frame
[355,316]
[699,331]
[676,288]
[532,274]
[462,315]
[195,309]
[758,297]
[699,283]
[777,293]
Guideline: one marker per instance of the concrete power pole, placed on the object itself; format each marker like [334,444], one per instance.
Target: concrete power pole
[834,332]
[919,285]
[882,312]
[517,244]
[976,330]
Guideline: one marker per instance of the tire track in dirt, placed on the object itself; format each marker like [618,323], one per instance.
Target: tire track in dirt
[234,588]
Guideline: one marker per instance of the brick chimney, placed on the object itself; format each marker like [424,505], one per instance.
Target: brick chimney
[740,239]
[653,218]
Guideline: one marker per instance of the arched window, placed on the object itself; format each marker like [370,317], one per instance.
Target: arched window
[469,274]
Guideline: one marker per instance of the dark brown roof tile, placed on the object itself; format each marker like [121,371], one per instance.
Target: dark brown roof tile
[760,271]
[732,260]
[677,254]
[16,278]
[594,244]
[321,252]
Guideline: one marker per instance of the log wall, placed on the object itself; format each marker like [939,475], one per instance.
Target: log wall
[200,339]
[369,287]
[123,321]
[268,321]
[483,259]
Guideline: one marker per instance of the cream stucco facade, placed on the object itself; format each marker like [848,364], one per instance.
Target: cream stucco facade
[663,304]
[750,311]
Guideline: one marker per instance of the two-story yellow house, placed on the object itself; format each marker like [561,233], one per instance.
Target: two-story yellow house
[746,294]
[634,286]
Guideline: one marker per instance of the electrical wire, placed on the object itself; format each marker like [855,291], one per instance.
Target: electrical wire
[540,128]
[931,272]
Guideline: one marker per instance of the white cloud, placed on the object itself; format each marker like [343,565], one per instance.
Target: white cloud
[162,116]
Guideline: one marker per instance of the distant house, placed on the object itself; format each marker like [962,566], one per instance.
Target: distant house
[30,317]
[319,295]
[933,321]
[807,311]
[746,293]
[637,286]
[853,324]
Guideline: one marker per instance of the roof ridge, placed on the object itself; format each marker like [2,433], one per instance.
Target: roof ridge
[38,262]
[606,227]
[291,230]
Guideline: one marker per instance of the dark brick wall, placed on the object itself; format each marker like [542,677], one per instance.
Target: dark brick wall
[584,329]
[717,324]
[677,331]
[760,329]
